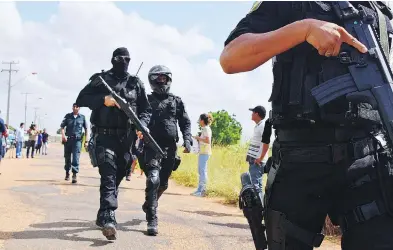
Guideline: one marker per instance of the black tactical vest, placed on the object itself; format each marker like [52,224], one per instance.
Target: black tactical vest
[163,122]
[301,68]
[128,88]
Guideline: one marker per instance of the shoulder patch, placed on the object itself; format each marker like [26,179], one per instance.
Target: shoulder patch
[255,6]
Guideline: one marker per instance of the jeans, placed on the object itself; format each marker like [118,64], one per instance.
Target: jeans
[202,170]
[44,148]
[72,147]
[31,144]
[256,172]
[19,149]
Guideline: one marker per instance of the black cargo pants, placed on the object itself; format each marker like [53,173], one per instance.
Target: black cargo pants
[310,180]
[157,174]
[111,151]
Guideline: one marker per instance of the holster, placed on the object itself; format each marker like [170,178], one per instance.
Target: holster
[177,163]
[92,151]
[251,204]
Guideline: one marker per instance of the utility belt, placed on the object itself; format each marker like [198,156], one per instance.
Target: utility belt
[319,134]
[109,131]
[330,153]
[74,137]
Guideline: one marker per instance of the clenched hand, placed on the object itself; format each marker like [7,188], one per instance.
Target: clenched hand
[110,101]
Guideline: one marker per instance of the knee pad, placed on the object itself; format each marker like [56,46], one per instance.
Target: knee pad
[153,179]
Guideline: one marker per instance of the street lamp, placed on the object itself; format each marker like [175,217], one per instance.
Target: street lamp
[24,78]
[35,114]
[17,82]
[41,125]
[39,98]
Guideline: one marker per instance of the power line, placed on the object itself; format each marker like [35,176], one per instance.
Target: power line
[10,70]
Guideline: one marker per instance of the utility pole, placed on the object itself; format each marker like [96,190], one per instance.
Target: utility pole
[26,105]
[10,70]
[35,114]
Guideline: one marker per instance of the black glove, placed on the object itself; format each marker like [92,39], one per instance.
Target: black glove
[187,145]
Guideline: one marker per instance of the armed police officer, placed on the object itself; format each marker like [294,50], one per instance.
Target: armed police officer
[324,157]
[167,111]
[113,135]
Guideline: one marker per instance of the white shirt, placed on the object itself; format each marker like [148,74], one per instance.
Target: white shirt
[255,148]
[20,135]
[205,148]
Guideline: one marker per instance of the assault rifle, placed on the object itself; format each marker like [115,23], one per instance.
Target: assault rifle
[370,77]
[148,139]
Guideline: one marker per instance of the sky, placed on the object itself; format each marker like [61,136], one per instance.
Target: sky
[67,42]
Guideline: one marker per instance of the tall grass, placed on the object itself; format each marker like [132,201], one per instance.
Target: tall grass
[224,169]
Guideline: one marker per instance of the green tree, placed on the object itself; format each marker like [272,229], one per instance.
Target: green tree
[226,130]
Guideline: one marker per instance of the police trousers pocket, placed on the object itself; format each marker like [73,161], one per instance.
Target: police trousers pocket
[100,155]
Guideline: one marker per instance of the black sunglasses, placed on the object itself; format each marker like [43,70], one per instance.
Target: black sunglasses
[122,58]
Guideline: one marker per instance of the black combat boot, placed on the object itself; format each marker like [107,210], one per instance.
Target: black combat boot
[151,218]
[98,219]
[67,177]
[152,229]
[107,221]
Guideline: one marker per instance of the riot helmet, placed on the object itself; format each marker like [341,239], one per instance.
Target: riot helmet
[160,79]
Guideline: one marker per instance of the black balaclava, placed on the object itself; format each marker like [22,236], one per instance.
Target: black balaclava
[120,61]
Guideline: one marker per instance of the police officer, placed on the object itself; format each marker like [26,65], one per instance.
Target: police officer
[324,158]
[72,139]
[167,111]
[113,135]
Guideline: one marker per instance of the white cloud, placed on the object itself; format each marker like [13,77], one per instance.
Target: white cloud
[78,41]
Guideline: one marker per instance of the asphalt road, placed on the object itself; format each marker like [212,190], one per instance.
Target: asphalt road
[40,210]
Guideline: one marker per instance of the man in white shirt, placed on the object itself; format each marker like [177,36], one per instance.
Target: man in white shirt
[19,138]
[257,151]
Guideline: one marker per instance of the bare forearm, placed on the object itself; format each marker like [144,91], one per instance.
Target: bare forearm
[62,132]
[265,148]
[87,134]
[249,51]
